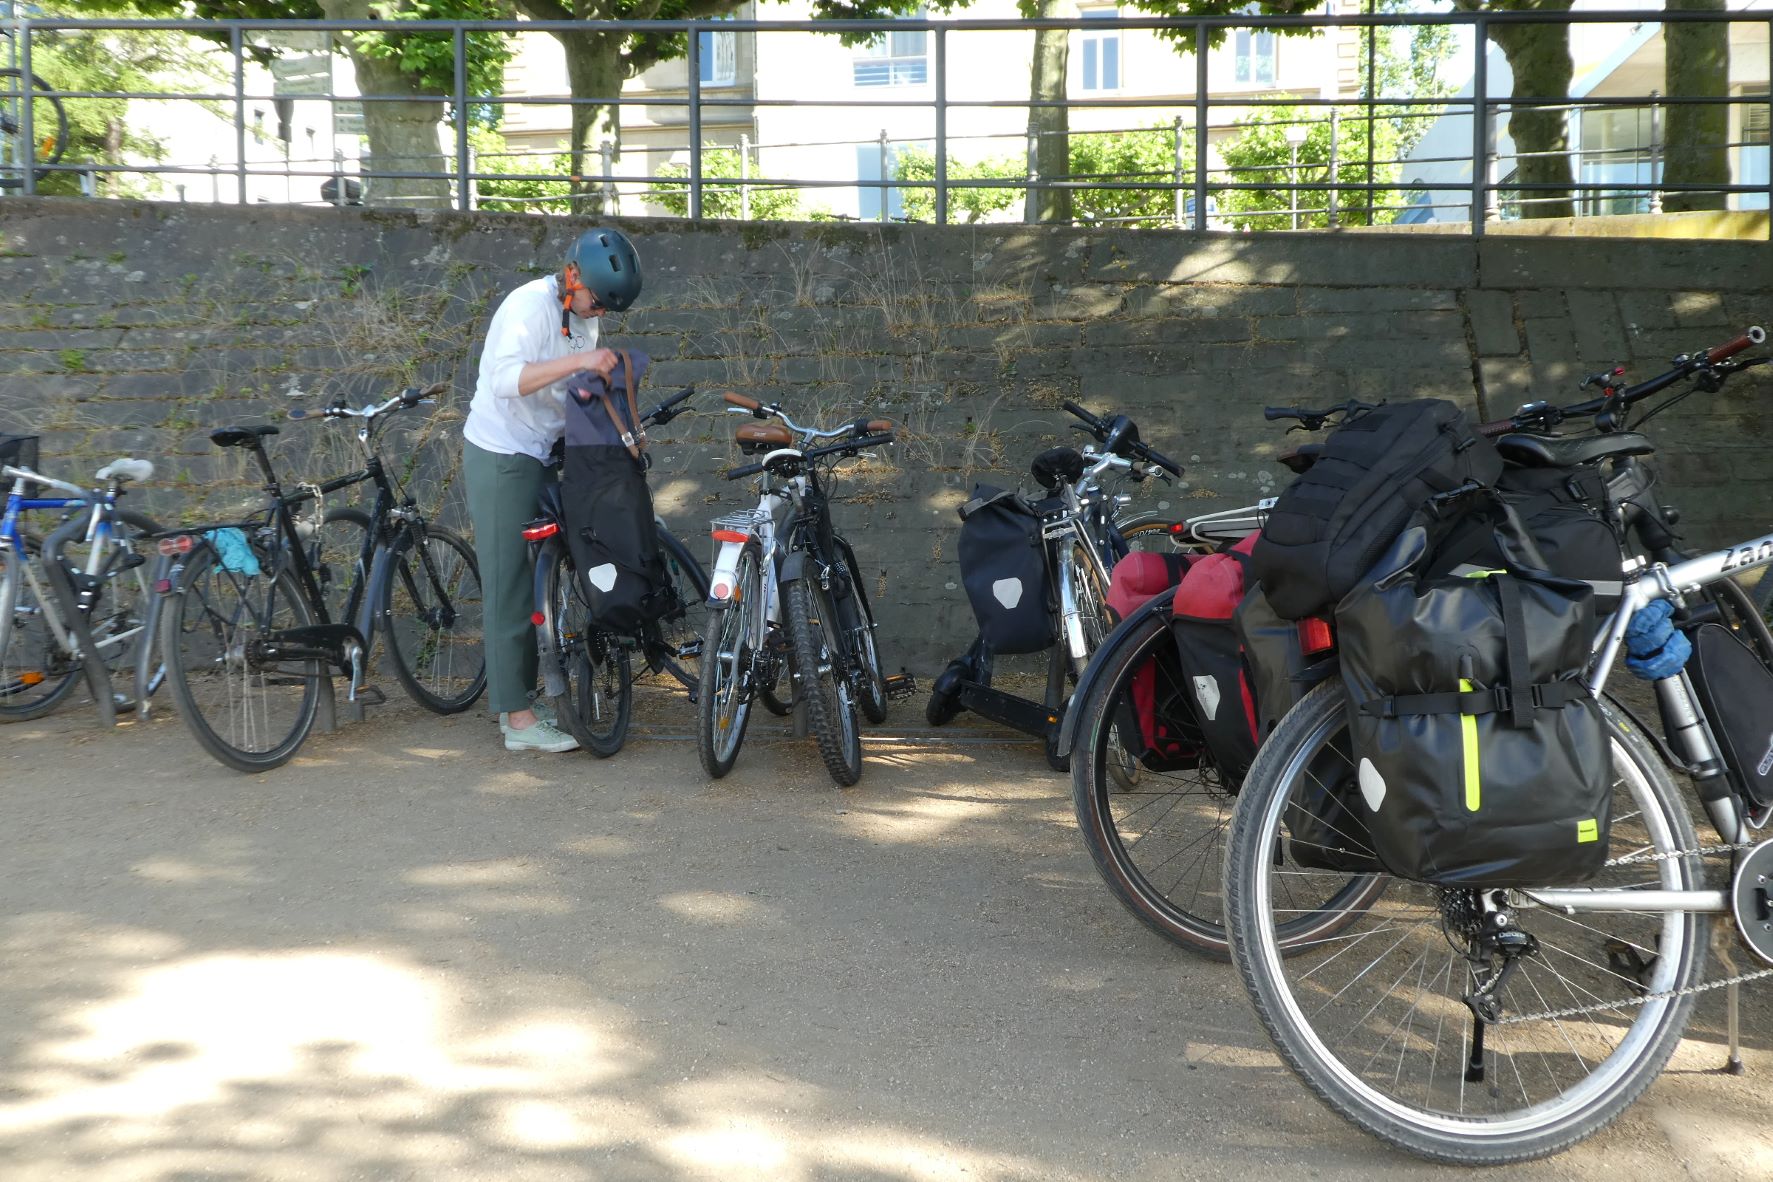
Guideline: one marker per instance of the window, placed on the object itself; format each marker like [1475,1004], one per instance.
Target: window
[1757,157]
[719,53]
[895,59]
[1100,51]
[1255,56]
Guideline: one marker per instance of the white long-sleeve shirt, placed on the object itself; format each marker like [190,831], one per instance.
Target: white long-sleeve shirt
[526,328]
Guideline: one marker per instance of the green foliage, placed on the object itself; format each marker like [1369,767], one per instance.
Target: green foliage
[1260,155]
[723,201]
[536,195]
[965,204]
[73,360]
[430,57]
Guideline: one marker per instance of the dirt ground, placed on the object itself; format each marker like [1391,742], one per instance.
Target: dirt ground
[409,954]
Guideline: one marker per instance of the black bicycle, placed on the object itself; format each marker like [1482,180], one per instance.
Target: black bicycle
[249,633]
[588,672]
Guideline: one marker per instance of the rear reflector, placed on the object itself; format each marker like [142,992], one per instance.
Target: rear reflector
[1314,636]
[1178,527]
[177,544]
[546,529]
[163,586]
[31,678]
[537,618]
[720,590]
[729,535]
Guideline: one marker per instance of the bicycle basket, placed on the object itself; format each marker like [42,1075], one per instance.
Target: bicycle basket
[20,451]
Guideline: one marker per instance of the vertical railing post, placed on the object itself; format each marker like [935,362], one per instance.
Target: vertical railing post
[941,125]
[1178,170]
[1770,135]
[27,132]
[1335,163]
[695,121]
[606,163]
[236,42]
[744,176]
[1480,127]
[885,152]
[1200,126]
[1655,152]
[460,36]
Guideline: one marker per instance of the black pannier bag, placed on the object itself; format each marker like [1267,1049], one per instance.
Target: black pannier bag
[19,451]
[1214,673]
[1481,759]
[1564,510]
[610,528]
[1375,472]
[1326,830]
[1003,565]
[1736,690]
[1275,657]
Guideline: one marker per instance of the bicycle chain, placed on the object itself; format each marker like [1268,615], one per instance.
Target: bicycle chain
[1667,994]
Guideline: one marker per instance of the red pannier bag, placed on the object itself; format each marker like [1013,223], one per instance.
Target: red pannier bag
[1156,725]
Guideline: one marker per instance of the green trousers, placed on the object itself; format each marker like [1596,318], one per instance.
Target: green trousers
[502,493]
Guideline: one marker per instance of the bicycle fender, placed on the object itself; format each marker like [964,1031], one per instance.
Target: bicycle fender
[793,567]
[1158,604]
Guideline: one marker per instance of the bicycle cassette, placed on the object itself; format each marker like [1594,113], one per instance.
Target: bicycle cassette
[1751,900]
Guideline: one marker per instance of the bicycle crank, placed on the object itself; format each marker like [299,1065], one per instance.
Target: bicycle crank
[1751,900]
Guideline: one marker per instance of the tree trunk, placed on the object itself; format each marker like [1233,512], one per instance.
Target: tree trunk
[1050,125]
[1539,56]
[595,71]
[1698,67]
[402,135]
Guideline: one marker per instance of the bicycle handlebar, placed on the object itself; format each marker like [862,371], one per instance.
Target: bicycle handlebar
[666,410]
[1100,428]
[1091,421]
[8,472]
[875,439]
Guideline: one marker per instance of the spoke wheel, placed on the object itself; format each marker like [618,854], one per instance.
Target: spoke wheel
[728,661]
[434,619]
[1373,1018]
[858,620]
[599,699]
[818,660]
[251,713]
[36,674]
[685,620]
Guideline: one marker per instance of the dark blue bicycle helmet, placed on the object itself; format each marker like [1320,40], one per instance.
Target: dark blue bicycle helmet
[607,266]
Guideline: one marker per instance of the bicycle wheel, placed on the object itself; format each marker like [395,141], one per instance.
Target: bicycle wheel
[1153,534]
[1374,1020]
[599,698]
[49,128]
[728,661]
[333,554]
[249,709]
[36,673]
[432,616]
[685,620]
[1091,597]
[119,611]
[858,621]
[818,655]
[1159,843]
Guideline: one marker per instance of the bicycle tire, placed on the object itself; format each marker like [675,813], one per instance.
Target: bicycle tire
[1387,1095]
[831,711]
[12,91]
[41,653]
[453,681]
[1148,532]
[203,578]
[1158,844]
[333,554]
[598,703]
[1091,597]
[723,705]
[871,697]
[689,582]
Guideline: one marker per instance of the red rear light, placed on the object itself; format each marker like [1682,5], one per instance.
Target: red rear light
[730,535]
[1178,527]
[537,618]
[163,586]
[177,544]
[545,529]
[1314,636]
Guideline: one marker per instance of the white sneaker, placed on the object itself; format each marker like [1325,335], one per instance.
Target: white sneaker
[543,736]
[542,708]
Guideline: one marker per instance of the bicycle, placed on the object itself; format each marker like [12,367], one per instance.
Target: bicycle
[61,616]
[1079,522]
[248,632]
[1489,1026]
[787,596]
[588,672]
[49,127]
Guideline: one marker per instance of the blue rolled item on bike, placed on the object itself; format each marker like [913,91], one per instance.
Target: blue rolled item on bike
[1654,647]
[233,551]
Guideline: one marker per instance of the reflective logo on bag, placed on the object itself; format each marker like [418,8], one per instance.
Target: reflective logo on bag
[1206,692]
[1767,759]
[602,577]
[1372,785]
[1007,592]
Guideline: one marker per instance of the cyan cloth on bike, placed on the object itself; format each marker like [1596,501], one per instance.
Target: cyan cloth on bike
[233,551]
[599,412]
[525,329]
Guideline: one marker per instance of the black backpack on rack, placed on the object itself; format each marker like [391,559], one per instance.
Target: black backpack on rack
[1373,475]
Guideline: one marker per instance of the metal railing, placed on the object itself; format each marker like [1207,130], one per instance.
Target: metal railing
[1193,187]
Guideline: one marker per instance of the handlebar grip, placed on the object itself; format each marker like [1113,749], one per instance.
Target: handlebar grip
[876,426]
[1495,427]
[743,471]
[676,398]
[1754,336]
[1083,414]
[434,389]
[1164,462]
[1275,413]
[750,404]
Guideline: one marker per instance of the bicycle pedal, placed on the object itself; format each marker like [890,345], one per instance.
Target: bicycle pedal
[900,685]
[689,650]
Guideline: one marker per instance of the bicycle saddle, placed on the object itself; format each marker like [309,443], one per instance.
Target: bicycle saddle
[125,469]
[240,436]
[1056,466]
[1567,451]
[756,437]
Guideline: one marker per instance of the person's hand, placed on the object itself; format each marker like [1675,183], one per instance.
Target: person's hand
[598,361]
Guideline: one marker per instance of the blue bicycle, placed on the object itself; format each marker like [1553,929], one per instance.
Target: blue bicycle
[74,599]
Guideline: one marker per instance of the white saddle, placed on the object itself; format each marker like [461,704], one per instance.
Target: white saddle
[126,469]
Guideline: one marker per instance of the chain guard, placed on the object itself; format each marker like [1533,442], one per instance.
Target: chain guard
[1751,900]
